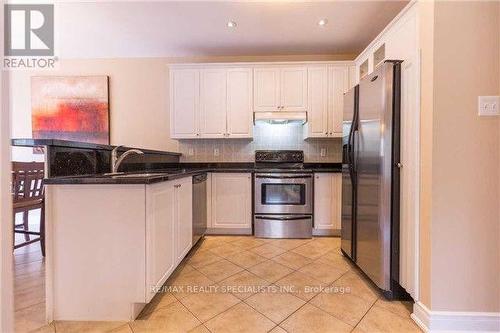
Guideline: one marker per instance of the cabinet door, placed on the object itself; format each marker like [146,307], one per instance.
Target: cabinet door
[160,261]
[239,103]
[266,89]
[327,200]
[184,103]
[293,89]
[213,103]
[184,217]
[338,85]
[353,80]
[231,200]
[323,197]
[317,111]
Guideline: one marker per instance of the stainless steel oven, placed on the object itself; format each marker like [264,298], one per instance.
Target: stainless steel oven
[283,193]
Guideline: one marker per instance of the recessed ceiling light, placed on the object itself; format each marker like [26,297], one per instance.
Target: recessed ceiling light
[231,24]
[322,22]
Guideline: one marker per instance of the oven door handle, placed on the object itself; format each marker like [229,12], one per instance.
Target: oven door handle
[283,218]
[284,177]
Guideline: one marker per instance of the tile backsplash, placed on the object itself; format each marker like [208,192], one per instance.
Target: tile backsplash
[266,137]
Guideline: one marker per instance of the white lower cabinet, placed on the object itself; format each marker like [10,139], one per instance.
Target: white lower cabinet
[160,261]
[327,201]
[168,229]
[183,211]
[133,235]
[231,201]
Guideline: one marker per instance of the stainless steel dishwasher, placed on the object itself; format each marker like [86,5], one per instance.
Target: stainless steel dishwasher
[199,206]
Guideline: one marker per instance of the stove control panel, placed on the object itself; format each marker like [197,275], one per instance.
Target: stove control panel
[279,156]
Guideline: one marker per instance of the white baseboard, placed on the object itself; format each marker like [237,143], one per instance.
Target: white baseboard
[228,231]
[326,232]
[450,321]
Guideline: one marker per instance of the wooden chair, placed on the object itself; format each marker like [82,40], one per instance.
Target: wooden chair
[28,194]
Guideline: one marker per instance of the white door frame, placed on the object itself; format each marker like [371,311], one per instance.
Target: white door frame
[6,279]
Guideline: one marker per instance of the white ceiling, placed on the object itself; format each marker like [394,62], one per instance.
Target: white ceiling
[185,28]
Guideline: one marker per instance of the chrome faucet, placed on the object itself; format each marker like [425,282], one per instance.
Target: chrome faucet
[116,161]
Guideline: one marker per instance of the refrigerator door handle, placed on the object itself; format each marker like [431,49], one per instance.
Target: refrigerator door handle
[354,150]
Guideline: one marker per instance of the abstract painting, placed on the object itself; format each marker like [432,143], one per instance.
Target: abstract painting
[74,108]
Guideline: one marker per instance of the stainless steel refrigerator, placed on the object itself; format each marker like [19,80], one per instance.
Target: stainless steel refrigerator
[370,177]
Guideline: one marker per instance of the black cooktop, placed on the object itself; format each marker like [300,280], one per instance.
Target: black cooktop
[272,161]
[279,156]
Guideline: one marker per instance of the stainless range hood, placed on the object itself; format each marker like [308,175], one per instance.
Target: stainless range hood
[281,117]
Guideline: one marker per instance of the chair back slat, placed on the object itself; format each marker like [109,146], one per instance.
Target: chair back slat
[27,181]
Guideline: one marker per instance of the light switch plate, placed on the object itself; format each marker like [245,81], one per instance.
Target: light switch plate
[216,151]
[488,105]
[190,151]
[323,152]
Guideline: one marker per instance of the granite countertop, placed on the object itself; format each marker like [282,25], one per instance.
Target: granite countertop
[156,176]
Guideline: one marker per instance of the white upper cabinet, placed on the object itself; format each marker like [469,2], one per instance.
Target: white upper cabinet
[239,103]
[338,85]
[353,81]
[278,88]
[218,100]
[293,89]
[184,103]
[266,89]
[213,102]
[317,112]
[326,87]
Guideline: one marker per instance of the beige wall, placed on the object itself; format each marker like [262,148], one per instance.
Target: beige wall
[138,99]
[460,226]
[138,96]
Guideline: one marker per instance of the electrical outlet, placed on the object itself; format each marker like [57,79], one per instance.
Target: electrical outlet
[216,151]
[190,151]
[323,152]
[488,105]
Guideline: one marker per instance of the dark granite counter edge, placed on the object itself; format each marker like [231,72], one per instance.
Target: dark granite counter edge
[84,145]
[102,179]
[171,175]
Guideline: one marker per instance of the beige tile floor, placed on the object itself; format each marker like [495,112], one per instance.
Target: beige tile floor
[254,285]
